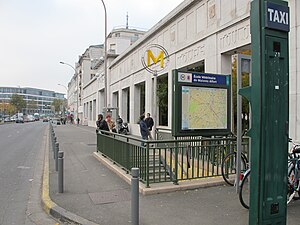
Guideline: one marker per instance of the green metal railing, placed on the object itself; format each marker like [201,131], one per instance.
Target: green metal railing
[166,160]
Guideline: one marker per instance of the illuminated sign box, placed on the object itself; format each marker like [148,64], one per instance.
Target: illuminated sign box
[201,104]
[277,17]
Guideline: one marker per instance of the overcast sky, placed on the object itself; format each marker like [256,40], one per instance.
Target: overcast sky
[35,35]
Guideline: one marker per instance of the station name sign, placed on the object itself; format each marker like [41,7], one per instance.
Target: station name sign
[277,17]
[203,78]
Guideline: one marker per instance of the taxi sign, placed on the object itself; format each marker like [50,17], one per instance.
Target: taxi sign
[277,17]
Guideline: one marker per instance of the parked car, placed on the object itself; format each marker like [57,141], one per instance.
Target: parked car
[20,120]
[7,119]
[25,119]
[13,118]
[31,118]
[56,121]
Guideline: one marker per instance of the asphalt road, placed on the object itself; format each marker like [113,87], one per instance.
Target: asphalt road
[21,160]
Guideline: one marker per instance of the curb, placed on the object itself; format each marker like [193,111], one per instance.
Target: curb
[50,207]
[158,188]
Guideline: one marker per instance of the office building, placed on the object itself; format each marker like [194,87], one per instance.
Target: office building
[37,100]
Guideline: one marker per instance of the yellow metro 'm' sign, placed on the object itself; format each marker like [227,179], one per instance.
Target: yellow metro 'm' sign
[150,61]
[160,58]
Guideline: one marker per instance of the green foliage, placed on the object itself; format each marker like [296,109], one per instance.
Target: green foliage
[58,105]
[162,96]
[32,105]
[245,83]
[10,110]
[18,102]
[162,92]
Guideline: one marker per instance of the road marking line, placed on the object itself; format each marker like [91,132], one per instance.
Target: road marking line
[23,167]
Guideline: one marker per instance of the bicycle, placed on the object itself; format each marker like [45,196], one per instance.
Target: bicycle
[293,175]
[244,193]
[228,166]
[293,184]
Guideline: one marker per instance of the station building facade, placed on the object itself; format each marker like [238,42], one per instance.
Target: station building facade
[90,73]
[199,36]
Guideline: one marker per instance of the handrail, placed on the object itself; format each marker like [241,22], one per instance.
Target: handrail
[167,160]
[167,140]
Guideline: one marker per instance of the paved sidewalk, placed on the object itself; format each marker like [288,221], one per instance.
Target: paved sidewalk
[95,193]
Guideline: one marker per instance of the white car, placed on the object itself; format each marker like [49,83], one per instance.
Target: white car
[13,118]
[7,119]
[31,118]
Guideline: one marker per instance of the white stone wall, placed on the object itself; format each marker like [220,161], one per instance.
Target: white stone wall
[86,71]
[71,95]
[121,44]
[204,30]
[209,30]
[294,69]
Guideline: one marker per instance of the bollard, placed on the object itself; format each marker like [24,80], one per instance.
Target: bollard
[60,172]
[56,149]
[56,156]
[135,196]
[53,142]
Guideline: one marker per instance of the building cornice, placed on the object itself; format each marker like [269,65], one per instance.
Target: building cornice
[183,7]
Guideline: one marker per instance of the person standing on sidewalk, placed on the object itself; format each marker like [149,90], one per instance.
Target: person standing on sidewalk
[101,124]
[150,123]
[143,129]
[111,124]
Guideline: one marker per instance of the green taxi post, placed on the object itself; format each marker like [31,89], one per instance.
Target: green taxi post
[269,99]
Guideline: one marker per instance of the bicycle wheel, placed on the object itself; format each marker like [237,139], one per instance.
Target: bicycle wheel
[229,167]
[244,194]
[291,179]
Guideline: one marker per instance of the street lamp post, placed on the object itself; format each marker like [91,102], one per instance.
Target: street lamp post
[77,116]
[105,55]
[64,87]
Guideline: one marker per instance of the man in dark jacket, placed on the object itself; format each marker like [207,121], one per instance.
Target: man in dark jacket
[143,129]
[101,124]
[149,122]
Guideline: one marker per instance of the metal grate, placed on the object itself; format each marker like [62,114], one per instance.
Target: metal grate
[110,197]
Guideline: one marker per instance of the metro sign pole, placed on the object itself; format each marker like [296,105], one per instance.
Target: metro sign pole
[159,64]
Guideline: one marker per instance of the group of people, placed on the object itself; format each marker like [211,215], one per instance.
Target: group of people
[107,124]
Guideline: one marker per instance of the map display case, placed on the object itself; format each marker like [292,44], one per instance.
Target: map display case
[201,104]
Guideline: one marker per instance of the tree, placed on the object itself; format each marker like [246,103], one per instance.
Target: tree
[32,105]
[7,108]
[162,95]
[2,107]
[18,102]
[58,105]
[10,109]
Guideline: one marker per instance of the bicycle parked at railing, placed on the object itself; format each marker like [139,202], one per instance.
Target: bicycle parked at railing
[228,169]
[228,166]
[293,174]
[293,184]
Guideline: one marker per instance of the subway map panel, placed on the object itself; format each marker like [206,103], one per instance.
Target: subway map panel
[204,108]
